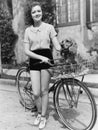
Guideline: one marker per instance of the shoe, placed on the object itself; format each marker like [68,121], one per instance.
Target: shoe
[37,120]
[42,123]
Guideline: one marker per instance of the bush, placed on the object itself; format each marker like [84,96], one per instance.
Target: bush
[7,37]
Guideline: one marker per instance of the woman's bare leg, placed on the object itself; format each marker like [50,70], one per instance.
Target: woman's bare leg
[36,87]
[45,80]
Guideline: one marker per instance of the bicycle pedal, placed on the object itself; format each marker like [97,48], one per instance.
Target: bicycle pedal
[34,109]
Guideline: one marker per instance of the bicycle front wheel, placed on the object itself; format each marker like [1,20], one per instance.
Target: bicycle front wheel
[26,98]
[75,105]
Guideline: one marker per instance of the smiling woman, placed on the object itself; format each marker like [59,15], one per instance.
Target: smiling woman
[33,14]
[48,9]
[37,39]
[36,13]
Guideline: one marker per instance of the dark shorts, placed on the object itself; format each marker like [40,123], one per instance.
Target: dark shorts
[34,63]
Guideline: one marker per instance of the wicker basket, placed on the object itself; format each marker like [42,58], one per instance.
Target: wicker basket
[63,70]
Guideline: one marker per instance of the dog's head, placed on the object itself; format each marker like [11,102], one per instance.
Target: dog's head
[69,49]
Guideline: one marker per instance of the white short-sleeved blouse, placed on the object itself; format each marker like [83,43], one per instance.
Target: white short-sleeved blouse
[40,37]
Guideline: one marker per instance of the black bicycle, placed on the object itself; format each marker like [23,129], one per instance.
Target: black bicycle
[73,101]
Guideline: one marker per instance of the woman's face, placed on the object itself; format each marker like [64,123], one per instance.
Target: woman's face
[36,13]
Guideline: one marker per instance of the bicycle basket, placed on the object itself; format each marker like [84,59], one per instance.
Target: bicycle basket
[72,70]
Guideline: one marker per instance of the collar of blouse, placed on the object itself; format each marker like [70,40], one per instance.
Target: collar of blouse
[36,29]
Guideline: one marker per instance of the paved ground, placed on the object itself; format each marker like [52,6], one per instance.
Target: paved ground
[14,117]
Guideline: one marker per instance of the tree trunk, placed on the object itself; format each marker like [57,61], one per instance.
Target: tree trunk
[19,26]
[0,61]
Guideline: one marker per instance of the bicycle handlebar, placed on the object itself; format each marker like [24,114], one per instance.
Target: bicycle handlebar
[49,62]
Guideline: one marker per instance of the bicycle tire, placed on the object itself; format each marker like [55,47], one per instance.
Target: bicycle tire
[80,117]
[23,83]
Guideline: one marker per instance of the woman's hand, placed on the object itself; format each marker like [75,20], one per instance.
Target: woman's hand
[45,59]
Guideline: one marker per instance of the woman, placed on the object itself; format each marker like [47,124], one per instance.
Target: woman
[37,46]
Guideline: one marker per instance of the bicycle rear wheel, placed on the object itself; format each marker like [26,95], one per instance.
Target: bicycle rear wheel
[75,105]
[24,89]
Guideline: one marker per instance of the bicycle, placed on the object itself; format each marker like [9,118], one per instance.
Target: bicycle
[72,99]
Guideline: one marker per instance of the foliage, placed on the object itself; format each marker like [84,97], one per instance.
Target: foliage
[7,36]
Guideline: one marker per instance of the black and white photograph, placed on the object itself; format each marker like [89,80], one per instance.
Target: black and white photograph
[49,64]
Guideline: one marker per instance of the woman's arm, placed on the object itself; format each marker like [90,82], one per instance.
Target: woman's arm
[33,55]
[53,36]
[56,44]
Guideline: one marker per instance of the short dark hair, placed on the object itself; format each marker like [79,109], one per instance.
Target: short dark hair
[35,3]
[27,14]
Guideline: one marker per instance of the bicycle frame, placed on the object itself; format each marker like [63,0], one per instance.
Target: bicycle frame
[72,102]
[52,88]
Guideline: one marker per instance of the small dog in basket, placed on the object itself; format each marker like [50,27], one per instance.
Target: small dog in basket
[69,51]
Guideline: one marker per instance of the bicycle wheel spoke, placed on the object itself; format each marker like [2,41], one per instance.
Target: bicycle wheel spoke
[75,106]
[24,89]
[70,94]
